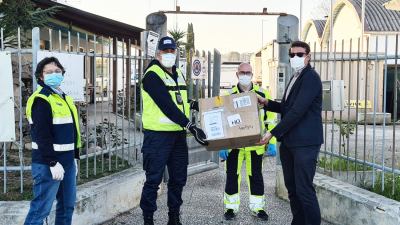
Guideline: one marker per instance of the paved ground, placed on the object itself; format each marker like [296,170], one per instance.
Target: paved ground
[203,202]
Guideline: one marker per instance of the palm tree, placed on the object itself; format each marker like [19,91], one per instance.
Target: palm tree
[177,35]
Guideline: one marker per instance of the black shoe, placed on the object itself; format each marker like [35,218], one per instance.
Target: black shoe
[174,219]
[262,215]
[229,214]
[148,221]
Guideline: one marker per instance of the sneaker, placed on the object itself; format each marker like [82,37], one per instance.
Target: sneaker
[229,214]
[174,219]
[262,215]
[148,221]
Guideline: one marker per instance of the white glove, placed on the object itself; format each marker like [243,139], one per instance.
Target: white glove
[57,171]
[76,167]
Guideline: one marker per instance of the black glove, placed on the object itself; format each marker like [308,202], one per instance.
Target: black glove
[194,105]
[198,133]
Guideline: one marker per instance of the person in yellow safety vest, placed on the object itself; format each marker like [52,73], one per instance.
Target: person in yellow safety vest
[253,156]
[55,145]
[165,116]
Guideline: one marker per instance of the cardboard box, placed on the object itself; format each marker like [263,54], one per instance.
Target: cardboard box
[230,121]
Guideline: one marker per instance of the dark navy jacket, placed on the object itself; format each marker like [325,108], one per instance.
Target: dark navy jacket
[42,129]
[301,121]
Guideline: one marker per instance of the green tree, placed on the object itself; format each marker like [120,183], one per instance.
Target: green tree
[190,37]
[178,35]
[24,14]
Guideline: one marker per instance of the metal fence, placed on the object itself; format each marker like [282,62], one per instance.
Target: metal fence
[109,115]
[361,142]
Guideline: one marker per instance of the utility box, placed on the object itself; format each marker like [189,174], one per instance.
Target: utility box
[231,121]
[333,95]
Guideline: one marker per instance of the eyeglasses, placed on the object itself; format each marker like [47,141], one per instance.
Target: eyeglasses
[248,73]
[299,54]
[50,72]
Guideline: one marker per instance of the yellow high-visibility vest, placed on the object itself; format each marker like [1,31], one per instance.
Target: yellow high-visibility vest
[152,117]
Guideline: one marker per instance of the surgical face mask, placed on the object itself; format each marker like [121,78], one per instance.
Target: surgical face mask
[297,63]
[53,80]
[168,60]
[244,80]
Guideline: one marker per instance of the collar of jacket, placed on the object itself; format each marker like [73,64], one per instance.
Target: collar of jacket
[240,89]
[305,69]
[156,62]
[41,83]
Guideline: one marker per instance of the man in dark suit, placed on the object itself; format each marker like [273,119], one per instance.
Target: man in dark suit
[300,133]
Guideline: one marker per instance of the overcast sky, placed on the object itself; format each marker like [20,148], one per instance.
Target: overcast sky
[226,33]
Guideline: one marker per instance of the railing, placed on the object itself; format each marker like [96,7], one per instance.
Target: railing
[361,142]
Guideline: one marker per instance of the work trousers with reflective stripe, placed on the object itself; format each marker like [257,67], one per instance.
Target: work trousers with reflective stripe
[254,179]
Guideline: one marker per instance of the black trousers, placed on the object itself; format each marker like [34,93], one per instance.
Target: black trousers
[298,165]
[255,177]
[162,149]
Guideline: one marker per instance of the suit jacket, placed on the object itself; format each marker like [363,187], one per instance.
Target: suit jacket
[301,121]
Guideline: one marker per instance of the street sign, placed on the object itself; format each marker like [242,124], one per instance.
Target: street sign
[152,41]
[199,68]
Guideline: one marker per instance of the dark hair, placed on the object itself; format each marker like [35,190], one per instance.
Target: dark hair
[48,60]
[300,44]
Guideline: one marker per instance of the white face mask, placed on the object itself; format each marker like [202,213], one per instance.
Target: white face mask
[244,80]
[168,60]
[297,63]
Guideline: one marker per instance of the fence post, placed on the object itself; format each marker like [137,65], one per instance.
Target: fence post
[35,49]
[209,75]
[216,73]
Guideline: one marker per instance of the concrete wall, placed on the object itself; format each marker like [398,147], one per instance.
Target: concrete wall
[97,201]
[345,204]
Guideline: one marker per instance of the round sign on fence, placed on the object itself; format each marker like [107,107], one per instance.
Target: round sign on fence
[196,67]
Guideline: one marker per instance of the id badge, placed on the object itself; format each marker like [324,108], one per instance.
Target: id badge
[178,98]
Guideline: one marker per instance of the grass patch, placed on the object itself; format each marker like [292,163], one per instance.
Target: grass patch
[13,178]
[339,164]
[390,190]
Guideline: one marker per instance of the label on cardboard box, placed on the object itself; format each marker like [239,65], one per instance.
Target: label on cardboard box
[234,120]
[242,102]
[213,124]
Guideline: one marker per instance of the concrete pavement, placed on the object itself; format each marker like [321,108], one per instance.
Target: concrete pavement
[203,202]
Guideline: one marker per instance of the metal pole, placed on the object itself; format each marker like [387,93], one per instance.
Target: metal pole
[357,102]
[348,110]
[331,24]
[384,114]
[326,112]
[123,103]
[341,111]
[216,73]
[51,39]
[375,106]
[209,75]
[109,102]
[395,114]
[35,49]
[134,105]
[2,38]
[5,167]
[20,148]
[94,85]
[333,112]
[87,106]
[102,102]
[79,107]
[129,87]
[301,19]
[59,41]
[365,108]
